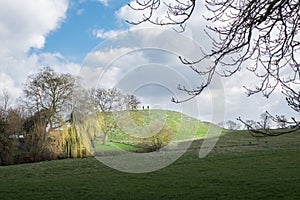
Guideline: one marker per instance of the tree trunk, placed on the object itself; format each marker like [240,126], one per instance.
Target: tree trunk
[105,138]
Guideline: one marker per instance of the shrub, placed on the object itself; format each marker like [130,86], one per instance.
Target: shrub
[157,141]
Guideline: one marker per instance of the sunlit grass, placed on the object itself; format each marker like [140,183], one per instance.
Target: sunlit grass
[182,126]
[113,147]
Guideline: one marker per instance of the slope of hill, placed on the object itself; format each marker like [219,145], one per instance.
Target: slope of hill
[141,126]
[149,122]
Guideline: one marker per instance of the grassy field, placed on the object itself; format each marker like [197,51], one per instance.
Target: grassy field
[239,167]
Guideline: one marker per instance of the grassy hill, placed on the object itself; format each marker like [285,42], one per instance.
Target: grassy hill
[133,126]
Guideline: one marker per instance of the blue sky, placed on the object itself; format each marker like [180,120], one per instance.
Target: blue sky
[75,38]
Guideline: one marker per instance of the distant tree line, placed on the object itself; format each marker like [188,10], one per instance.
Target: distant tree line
[266,122]
[42,125]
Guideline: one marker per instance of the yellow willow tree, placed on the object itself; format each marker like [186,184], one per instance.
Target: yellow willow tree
[79,136]
[82,135]
[82,128]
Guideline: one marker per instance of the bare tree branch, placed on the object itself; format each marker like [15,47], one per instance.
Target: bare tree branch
[258,129]
[176,13]
[49,93]
[266,33]
[5,101]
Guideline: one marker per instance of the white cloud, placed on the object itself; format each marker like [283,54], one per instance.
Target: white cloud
[103,57]
[80,12]
[14,72]
[7,83]
[59,63]
[126,13]
[25,25]
[107,34]
[239,104]
[104,67]
[104,2]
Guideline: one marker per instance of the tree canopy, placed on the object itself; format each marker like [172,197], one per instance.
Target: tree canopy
[51,93]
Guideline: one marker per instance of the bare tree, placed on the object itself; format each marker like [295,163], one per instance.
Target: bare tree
[282,121]
[265,122]
[37,141]
[130,102]
[262,128]
[263,32]
[250,123]
[51,93]
[229,124]
[108,100]
[6,143]
[292,98]
[5,100]
[232,125]
[11,129]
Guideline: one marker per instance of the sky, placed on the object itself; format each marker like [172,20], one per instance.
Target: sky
[90,39]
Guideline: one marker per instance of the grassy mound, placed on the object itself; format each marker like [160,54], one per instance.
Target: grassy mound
[132,126]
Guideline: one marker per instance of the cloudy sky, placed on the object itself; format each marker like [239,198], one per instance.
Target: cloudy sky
[90,39]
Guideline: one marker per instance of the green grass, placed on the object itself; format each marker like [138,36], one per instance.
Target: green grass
[113,147]
[182,126]
[240,167]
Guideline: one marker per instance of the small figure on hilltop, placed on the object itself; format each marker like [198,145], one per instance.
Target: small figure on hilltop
[148,107]
[143,107]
